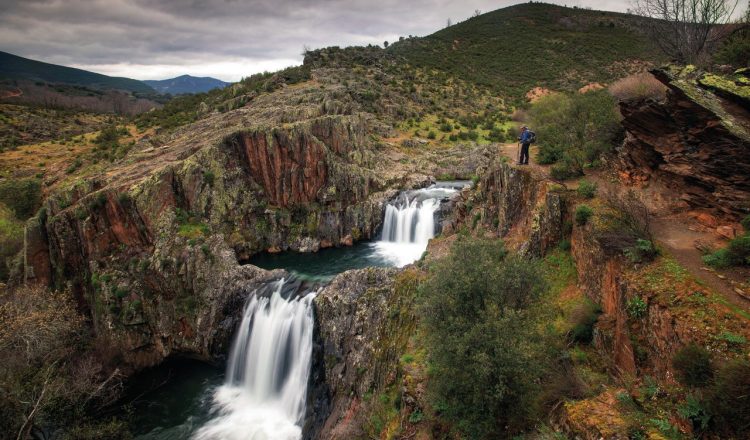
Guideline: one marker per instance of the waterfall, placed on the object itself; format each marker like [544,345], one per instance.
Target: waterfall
[409,223]
[264,394]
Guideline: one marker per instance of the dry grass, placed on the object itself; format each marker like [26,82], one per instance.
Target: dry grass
[637,87]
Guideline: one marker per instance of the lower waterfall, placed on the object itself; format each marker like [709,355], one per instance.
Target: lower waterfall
[264,394]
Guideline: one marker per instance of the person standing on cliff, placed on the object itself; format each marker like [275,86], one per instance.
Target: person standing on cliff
[525,139]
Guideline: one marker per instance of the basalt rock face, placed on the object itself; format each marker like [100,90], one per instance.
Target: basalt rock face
[520,205]
[150,249]
[364,323]
[694,141]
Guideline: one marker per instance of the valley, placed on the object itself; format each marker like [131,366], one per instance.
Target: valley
[348,248]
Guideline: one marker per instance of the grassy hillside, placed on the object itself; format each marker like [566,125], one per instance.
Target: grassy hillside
[515,49]
[15,67]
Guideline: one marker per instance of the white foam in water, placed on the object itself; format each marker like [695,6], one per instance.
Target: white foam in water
[409,224]
[264,395]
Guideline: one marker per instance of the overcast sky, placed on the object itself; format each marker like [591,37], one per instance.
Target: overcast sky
[226,39]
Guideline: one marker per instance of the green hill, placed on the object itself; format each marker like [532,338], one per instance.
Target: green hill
[19,68]
[515,49]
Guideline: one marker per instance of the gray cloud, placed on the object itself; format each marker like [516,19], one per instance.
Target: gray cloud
[228,39]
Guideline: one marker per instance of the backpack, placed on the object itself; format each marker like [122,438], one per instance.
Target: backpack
[532,137]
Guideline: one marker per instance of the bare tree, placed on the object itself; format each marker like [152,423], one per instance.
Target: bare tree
[684,29]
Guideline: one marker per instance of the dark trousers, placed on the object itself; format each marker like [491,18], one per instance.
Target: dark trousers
[524,159]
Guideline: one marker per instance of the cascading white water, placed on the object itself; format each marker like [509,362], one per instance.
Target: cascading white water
[263,397]
[409,224]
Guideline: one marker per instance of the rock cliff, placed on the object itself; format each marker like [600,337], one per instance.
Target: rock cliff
[694,141]
[150,248]
[366,317]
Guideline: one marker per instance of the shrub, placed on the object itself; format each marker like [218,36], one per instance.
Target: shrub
[718,260]
[11,241]
[586,189]
[636,307]
[745,222]
[583,214]
[446,127]
[737,253]
[431,135]
[692,365]
[624,220]
[583,318]
[209,177]
[728,402]
[637,87]
[643,250]
[692,410]
[575,129]
[22,196]
[483,341]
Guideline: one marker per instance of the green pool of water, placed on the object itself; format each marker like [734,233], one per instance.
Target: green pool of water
[325,264]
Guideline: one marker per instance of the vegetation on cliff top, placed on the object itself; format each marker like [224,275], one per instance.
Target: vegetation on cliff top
[515,49]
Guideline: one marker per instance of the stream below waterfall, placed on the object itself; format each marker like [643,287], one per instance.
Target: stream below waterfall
[262,393]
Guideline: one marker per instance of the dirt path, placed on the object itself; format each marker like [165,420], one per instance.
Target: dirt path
[677,234]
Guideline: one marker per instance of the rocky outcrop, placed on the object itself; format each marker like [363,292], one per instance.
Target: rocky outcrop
[520,206]
[365,318]
[150,249]
[695,142]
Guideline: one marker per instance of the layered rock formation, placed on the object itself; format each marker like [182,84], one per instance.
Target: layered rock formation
[520,206]
[365,317]
[150,249]
[695,142]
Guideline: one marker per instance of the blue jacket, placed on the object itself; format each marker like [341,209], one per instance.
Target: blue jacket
[525,137]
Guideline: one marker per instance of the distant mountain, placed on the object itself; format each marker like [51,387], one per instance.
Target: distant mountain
[186,84]
[19,68]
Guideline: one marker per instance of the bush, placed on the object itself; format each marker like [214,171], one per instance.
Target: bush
[11,241]
[583,214]
[737,253]
[692,365]
[718,259]
[586,189]
[576,129]
[728,402]
[483,338]
[583,318]
[22,196]
[637,87]
[643,250]
[636,307]
[624,226]
[745,222]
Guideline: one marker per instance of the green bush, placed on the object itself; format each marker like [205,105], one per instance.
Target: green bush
[728,402]
[745,222]
[737,253]
[586,189]
[483,338]
[636,307]
[11,241]
[692,365]
[583,214]
[718,259]
[22,196]
[693,410]
[583,318]
[643,250]
[575,129]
